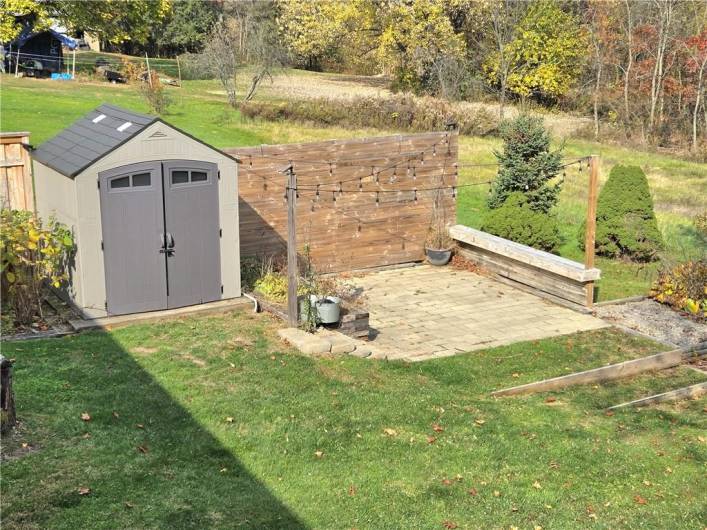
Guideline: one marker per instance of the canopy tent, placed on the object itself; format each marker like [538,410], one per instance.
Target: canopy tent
[43,46]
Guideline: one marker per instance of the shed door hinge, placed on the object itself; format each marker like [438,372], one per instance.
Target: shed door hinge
[219,174]
[220,232]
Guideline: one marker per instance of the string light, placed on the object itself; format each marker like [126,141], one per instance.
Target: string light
[378,202]
[360,184]
[454,193]
[318,191]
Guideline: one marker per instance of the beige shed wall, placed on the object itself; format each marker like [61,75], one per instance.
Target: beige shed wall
[55,195]
[168,144]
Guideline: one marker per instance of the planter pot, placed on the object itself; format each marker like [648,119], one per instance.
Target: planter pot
[438,257]
[328,308]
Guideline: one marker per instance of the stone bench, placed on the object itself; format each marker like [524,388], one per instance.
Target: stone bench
[554,277]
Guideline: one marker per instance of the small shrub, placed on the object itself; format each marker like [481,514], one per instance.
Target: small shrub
[626,224]
[683,287]
[700,223]
[517,221]
[154,93]
[272,286]
[32,252]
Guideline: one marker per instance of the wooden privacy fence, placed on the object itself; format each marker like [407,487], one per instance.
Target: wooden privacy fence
[15,171]
[361,203]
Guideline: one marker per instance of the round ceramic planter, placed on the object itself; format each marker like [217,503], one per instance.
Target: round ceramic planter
[438,257]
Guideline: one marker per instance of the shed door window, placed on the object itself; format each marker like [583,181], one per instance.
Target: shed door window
[137,180]
[181,177]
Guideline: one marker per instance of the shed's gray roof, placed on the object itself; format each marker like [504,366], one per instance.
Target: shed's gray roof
[83,143]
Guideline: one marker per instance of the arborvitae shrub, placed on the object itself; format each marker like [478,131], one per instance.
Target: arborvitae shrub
[626,223]
[517,221]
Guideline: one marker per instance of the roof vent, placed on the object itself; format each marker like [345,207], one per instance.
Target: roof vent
[98,118]
[158,134]
[124,126]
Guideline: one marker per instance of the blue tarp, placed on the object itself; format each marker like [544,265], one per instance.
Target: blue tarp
[28,32]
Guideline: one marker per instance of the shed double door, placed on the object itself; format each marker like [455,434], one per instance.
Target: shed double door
[161,235]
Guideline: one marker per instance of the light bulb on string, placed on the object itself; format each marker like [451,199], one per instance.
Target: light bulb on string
[454,193]
[318,191]
[331,173]
[333,196]
[360,185]
[414,196]
[378,198]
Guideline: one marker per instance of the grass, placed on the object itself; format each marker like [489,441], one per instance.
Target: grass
[45,107]
[209,422]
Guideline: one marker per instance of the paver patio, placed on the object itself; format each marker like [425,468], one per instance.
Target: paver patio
[427,312]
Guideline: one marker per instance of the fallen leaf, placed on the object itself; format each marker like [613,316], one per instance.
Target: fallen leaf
[229,419]
[318,454]
[390,432]
[116,415]
[592,516]
[231,365]
[554,465]
[647,483]
[128,504]
[352,490]
[85,416]
[450,524]
[514,508]
[473,492]
[479,421]
[550,399]
[431,439]
[436,427]
[86,436]
[668,470]
[143,449]
[537,527]
[139,426]
[590,508]
[640,500]
[447,482]
[537,485]
[609,412]
[25,445]
[84,490]
[701,439]
[223,470]
[515,374]
[496,493]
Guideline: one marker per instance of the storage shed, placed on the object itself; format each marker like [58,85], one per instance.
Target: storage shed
[154,212]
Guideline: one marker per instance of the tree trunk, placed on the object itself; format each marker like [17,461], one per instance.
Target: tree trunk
[502,98]
[629,63]
[698,100]
[597,87]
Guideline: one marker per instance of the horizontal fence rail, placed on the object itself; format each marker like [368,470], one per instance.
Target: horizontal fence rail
[361,203]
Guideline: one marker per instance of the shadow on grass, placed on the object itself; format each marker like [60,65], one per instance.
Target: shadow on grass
[147,462]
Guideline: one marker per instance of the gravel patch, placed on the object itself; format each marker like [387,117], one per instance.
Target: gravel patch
[655,320]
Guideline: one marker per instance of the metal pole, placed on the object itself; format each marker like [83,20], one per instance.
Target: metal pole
[292,273]
[17,62]
[590,235]
[73,64]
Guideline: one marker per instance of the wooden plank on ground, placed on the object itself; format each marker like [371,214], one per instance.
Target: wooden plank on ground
[655,362]
[688,392]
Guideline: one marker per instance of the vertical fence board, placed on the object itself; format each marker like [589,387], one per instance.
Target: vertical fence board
[16,190]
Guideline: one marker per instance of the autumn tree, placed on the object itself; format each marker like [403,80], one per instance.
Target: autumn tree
[546,54]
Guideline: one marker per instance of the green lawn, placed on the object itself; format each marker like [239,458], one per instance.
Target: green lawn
[44,107]
[209,422]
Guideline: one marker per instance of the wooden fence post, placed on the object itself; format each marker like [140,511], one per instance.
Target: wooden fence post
[16,189]
[292,273]
[590,235]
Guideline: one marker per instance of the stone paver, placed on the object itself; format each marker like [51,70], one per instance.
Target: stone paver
[430,312]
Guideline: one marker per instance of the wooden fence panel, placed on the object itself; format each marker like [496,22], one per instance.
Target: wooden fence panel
[16,190]
[350,230]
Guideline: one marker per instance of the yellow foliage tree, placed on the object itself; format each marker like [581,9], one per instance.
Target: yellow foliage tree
[547,54]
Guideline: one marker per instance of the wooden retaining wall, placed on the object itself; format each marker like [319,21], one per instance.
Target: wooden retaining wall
[553,277]
[352,232]
[16,190]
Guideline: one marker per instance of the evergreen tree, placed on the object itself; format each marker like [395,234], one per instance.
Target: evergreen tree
[526,165]
[626,223]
